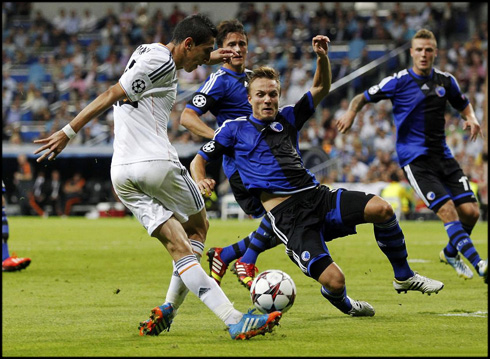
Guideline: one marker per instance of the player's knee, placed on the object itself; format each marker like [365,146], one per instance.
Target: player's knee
[469,213]
[332,278]
[378,210]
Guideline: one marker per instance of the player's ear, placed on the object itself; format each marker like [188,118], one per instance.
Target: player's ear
[188,43]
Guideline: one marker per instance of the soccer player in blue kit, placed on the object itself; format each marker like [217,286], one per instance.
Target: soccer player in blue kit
[419,96]
[224,94]
[304,214]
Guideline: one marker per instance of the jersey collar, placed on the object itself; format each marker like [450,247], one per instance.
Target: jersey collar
[231,72]
[421,77]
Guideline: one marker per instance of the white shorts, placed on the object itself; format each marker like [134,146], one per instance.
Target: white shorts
[157,190]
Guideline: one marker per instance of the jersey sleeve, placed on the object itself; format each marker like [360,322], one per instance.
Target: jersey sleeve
[301,112]
[208,94]
[455,97]
[144,72]
[384,90]
[221,144]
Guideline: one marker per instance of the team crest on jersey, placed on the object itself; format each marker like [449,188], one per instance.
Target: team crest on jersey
[209,147]
[373,89]
[440,91]
[138,86]
[431,196]
[276,126]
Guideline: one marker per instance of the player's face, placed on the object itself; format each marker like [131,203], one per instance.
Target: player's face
[264,97]
[423,52]
[198,55]
[237,42]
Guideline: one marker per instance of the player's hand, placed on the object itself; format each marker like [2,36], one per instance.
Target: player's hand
[54,144]
[344,123]
[475,129]
[206,186]
[221,55]
[320,45]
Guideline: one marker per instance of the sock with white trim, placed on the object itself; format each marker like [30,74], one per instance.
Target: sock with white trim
[206,289]
[177,291]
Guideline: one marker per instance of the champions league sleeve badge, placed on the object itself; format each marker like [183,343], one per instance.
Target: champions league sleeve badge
[138,86]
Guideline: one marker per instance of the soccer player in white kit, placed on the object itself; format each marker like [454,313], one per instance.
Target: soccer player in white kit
[150,180]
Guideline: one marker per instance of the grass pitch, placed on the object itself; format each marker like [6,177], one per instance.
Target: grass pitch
[92,281]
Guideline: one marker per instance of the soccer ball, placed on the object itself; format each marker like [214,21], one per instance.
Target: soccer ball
[273,290]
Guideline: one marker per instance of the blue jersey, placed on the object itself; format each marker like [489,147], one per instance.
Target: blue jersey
[266,153]
[224,94]
[419,104]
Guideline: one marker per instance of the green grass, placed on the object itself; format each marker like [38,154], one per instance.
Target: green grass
[65,303]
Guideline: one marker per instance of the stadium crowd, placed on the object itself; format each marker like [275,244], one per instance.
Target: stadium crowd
[68,60]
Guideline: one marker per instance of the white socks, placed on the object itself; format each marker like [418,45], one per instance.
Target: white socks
[189,275]
[177,291]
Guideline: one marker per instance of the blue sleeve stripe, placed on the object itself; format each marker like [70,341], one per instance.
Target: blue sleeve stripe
[204,155]
[310,98]
[366,95]
[198,111]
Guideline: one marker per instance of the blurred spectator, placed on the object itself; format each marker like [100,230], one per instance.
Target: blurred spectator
[60,21]
[383,142]
[37,198]
[53,194]
[88,22]
[399,195]
[37,105]
[176,16]
[23,184]
[73,192]
[73,23]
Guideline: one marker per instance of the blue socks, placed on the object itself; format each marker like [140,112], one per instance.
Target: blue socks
[5,235]
[391,241]
[460,241]
[251,246]
[339,301]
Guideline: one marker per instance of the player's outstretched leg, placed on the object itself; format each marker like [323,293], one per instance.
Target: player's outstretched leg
[160,319]
[418,283]
[251,325]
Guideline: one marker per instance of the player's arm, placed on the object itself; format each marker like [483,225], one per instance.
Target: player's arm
[469,116]
[191,120]
[344,123]
[55,143]
[198,172]
[322,80]
[211,151]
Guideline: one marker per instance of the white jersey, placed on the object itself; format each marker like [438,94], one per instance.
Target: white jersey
[140,124]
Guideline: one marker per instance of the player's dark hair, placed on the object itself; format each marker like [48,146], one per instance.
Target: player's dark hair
[197,26]
[264,72]
[425,34]
[229,26]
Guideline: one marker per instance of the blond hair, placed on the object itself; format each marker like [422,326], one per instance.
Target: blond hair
[264,72]
[425,34]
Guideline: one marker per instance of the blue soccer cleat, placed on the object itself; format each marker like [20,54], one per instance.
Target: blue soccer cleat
[251,325]
[160,319]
